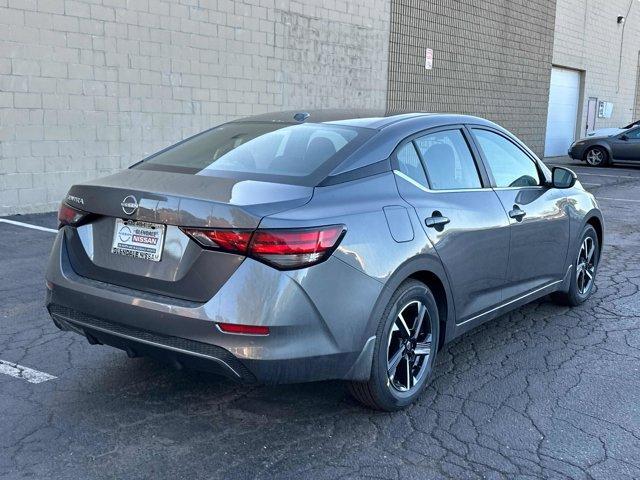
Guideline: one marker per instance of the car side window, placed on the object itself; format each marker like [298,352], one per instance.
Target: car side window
[448,160]
[633,134]
[511,167]
[409,164]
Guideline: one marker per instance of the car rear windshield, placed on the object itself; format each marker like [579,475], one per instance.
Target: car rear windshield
[262,151]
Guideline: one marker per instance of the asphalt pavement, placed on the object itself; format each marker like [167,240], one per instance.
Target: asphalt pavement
[543,392]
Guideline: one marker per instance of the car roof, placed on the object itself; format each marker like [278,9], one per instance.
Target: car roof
[392,128]
[371,118]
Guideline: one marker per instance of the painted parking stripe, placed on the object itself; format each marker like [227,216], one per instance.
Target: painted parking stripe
[618,199]
[580,172]
[25,373]
[610,176]
[28,225]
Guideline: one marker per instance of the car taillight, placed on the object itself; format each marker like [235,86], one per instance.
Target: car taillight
[69,216]
[295,248]
[236,241]
[284,249]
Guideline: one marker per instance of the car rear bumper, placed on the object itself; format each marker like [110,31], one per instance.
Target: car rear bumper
[317,332]
[179,352]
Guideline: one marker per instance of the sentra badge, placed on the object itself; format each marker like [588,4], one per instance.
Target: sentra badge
[75,199]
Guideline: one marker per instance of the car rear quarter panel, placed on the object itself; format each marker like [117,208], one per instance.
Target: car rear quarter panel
[368,247]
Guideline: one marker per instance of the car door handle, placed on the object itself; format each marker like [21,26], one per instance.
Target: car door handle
[436,221]
[517,213]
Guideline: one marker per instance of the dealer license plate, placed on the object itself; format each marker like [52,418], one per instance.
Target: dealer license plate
[138,239]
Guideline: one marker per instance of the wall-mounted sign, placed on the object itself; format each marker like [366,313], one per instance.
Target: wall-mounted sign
[605,109]
[428,63]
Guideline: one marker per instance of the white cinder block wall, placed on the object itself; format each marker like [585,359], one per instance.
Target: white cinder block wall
[88,87]
[588,38]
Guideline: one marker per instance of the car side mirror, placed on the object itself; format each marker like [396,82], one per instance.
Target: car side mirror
[624,137]
[563,177]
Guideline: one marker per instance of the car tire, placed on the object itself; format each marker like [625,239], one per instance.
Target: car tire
[389,392]
[596,157]
[579,291]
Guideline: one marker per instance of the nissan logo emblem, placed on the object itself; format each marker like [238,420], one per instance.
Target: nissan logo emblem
[129,204]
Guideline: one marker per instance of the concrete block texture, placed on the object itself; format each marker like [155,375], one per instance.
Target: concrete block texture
[88,87]
[490,58]
[589,38]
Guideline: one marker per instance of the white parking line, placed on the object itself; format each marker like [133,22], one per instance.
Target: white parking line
[25,373]
[591,174]
[611,176]
[619,199]
[28,225]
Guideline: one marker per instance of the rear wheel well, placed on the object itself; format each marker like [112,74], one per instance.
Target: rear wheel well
[434,283]
[597,225]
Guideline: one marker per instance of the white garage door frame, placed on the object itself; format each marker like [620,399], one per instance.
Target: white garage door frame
[562,115]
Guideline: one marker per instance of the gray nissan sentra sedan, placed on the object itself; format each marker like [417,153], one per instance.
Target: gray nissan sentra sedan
[307,246]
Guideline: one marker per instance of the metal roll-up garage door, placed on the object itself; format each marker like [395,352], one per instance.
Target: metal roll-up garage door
[564,96]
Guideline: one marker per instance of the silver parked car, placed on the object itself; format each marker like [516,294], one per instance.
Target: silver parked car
[323,245]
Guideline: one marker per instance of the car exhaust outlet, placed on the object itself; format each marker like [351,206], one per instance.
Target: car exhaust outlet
[92,340]
[131,353]
[175,363]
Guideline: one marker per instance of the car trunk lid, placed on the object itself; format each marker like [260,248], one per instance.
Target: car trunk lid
[185,270]
[186,200]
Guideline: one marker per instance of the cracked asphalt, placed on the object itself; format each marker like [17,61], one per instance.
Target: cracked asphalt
[544,392]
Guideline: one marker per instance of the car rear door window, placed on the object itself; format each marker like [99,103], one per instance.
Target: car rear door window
[510,166]
[448,161]
[633,134]
[409,164]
